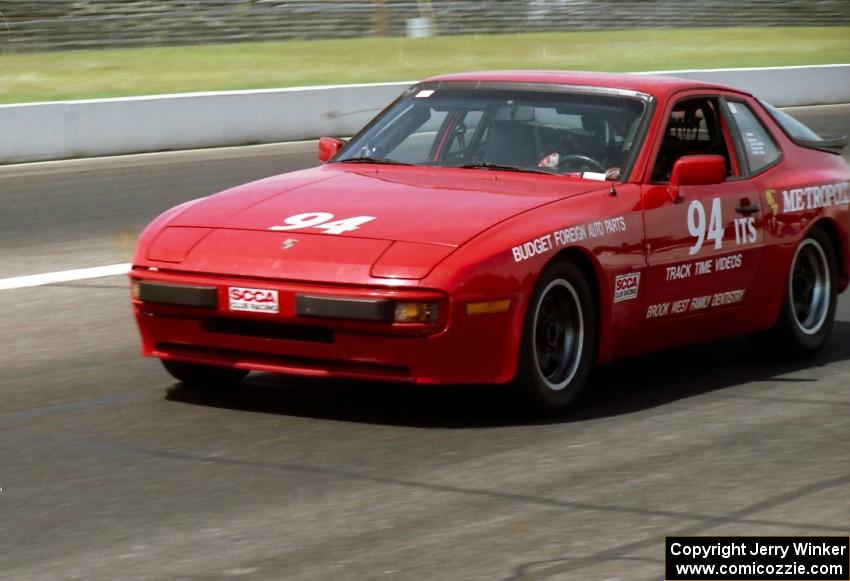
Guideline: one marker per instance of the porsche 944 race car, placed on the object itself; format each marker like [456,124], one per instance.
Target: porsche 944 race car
[509,227]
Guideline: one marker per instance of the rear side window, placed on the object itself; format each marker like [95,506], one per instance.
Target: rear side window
[759,147]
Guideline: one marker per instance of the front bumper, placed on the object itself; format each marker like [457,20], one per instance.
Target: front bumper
[457,348]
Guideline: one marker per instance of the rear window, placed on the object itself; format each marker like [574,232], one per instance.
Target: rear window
[795,129]
[802,135]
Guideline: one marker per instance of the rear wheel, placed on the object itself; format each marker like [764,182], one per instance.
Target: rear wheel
[808,309]
[195,375]
[559,340]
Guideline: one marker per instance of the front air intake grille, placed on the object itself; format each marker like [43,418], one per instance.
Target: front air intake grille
[267,330]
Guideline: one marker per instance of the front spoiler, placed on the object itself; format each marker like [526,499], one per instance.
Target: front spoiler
[461,348]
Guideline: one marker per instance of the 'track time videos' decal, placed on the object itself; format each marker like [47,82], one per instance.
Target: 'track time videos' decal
[704,267]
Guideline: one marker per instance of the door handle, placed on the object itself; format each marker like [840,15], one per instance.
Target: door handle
[748,209]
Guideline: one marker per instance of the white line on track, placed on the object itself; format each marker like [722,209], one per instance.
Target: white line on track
[63,276]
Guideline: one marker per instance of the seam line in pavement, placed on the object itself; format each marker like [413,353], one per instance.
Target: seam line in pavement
[10,419]
[703,520]
[705,523]
[785,400]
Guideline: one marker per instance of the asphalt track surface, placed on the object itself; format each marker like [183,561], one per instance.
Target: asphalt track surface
[109,469]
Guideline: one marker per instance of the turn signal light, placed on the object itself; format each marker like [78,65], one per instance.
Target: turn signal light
[488,307]
[410,312]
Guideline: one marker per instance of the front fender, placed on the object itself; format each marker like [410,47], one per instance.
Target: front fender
[505,261]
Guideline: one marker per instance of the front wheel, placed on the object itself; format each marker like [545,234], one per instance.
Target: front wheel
[808,309]
[558,345]
[206,376]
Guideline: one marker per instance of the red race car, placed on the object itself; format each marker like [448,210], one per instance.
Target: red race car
[509,227]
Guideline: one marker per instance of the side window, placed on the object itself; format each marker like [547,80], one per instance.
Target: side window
[693,128]
[416,147]
[458,142]
[759,147]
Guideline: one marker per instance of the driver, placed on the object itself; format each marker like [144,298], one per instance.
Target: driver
[579,148]
[589,147]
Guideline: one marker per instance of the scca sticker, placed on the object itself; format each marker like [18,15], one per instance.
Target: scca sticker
[253,299]
[626,287]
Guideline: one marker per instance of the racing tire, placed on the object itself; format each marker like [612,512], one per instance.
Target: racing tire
[808,307]
[206,376]
[558,346]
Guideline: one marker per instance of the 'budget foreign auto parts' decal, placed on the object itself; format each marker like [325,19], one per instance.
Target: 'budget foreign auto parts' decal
[570,235]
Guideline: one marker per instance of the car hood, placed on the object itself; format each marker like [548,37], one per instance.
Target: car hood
[408,204]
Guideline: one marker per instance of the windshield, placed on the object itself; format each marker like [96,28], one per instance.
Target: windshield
[558,132]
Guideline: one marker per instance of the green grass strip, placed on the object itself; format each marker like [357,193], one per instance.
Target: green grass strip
[144,71]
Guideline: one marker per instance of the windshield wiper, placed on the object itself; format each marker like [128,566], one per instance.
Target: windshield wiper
[498,166]
[367,159]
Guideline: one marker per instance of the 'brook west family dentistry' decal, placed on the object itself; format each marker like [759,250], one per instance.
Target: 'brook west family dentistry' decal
[566,236]
[695,304]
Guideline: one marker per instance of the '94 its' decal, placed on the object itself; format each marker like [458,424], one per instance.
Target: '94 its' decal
[711,228]
[322,221]
[698,228]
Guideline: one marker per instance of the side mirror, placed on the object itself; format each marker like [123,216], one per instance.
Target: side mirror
[329,147]
[696,170]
